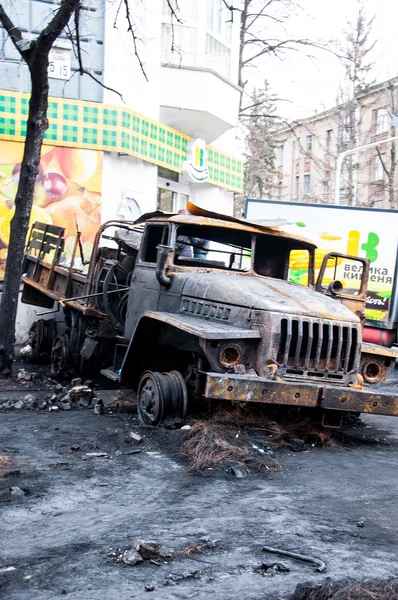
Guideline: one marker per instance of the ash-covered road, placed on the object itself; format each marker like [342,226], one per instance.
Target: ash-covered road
[78,505]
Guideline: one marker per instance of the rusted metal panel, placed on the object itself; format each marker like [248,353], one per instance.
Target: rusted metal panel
[380,350]
[243,388]
[208,330]
[58,297]
[348,399]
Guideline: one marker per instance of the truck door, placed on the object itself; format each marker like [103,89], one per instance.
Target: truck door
[345,278]
[145,289]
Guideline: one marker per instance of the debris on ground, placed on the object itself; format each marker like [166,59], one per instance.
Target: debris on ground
[271,569]
[4,569]
[134,438]
[244,439]
[174,423]
[139,552]
[223,442]
[321,566]
[97,455]
[148,551]
[296,445]
[17,491]
[52,397]
[351,590]
[99,408]
[197,548]
[177,577]
[7,468]
[132,557]
[238,473]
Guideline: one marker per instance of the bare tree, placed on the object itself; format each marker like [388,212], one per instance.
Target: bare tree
[259,131]
[35,53]
[355,57]
[263,33]
[389,160]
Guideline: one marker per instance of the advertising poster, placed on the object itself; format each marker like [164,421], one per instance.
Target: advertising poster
[365,233]
[67,193]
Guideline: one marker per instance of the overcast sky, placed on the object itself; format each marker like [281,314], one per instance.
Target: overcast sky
[311,85]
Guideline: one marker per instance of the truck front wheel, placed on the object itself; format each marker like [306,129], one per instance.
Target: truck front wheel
[161,395]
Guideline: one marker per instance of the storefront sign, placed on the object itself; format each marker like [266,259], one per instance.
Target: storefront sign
[195,165]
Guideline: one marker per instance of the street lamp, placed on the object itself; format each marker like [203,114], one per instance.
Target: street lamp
[343,155]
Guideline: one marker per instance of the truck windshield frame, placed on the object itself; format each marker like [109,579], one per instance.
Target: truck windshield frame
[272,253]
[218,248]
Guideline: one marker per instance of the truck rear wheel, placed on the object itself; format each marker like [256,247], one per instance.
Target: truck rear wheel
[161,395]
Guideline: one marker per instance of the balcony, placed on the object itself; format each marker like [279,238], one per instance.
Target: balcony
[198,101]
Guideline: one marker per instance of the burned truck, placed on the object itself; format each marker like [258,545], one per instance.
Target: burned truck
[181,326]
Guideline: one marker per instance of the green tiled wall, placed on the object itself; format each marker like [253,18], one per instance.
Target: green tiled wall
[114,129]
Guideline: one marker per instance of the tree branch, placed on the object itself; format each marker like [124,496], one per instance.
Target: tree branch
[51,32]
[130,29]
[14,33]
[382,161]
[78,54]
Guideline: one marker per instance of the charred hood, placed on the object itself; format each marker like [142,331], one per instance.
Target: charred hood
[262,293]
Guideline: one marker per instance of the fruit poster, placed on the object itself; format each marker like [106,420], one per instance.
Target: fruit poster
[67,193]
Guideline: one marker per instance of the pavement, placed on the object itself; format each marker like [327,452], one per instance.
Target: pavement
[87,496]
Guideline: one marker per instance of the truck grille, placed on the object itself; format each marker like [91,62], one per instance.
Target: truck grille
[318,349]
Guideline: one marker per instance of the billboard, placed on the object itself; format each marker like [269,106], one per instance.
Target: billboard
[67,193]
[368,233]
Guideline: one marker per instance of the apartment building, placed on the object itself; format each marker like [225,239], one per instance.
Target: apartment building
[161,137]
[307,149]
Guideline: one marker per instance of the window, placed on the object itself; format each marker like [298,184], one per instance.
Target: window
[378,171]
[328,182]
[154,235]
[297,149]
[219,19]
[307,185]
[381,120]
[280,156]
[214,247]
[218,37]
[297,190]
[165,200]
[345,126]
[308,143]
[280,191]
[218,56]
[180,50]
[329,134]
[350,119]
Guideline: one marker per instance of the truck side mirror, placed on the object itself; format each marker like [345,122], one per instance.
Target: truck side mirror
[163,253]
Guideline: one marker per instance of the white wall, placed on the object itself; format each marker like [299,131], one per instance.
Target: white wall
[121,173]
[122,71]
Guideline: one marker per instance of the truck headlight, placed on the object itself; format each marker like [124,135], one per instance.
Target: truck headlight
[230,355]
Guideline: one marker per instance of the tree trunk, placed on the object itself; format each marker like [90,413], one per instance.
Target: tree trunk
[36,127]
[243,21]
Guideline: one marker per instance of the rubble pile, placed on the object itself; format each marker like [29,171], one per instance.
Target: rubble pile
[55,396]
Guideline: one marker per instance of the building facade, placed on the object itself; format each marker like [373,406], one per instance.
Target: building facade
[306,153]
[148,138]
